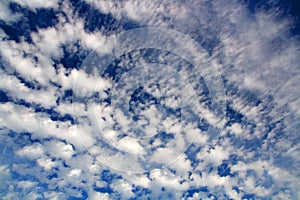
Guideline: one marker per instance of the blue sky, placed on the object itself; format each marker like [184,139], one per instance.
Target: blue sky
[149,100]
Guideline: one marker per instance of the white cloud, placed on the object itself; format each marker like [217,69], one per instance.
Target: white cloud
[236,128]
[26,184]
[123,187]
[33,4]
[130,145]
[33,151]
[249,61]
[98,195]
[75,173]
[163,178]
[217,155]
[60,149]
[19,91]
[6,14]
[47,164]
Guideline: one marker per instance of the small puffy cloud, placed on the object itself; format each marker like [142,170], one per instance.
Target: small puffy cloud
[74,173]
[46,164]
[236,128]
[164,178]
[26,184]
[216,155]
[130,145]
[32,151]
[123,187]
[98,195]
[60,149]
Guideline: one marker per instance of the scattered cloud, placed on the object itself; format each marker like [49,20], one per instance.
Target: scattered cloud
[147,125]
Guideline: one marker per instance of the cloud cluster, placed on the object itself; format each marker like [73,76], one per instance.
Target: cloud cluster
[68,130]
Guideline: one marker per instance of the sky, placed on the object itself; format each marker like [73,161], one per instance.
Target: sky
[149,99]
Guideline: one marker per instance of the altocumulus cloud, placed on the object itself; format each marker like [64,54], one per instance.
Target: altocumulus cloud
[51,147]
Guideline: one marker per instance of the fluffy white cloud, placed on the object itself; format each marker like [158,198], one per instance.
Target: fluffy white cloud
[256,57]
[33,151]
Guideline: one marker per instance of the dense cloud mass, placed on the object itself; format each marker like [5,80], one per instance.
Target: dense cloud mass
[149,99]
